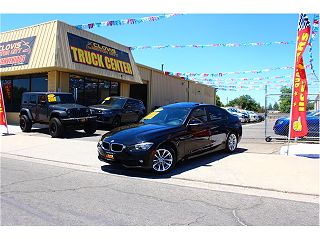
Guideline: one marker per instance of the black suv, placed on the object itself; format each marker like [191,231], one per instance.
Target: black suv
[116,110]
[57,109]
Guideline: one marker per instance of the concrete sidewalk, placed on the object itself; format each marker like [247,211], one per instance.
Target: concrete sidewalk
[280,173]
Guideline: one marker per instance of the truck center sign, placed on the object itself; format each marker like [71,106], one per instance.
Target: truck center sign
[87,52]
[16,52]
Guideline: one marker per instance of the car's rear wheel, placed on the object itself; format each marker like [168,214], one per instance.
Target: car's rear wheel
[90,128]
[164,160]
[116,122]
[25,123]
[232,142]
[56,128]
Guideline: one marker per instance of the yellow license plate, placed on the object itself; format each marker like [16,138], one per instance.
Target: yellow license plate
[109,156]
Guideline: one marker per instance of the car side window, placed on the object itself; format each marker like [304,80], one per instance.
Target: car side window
[198,115]
[33,99]
[129,104]
[214,113]
[25,98]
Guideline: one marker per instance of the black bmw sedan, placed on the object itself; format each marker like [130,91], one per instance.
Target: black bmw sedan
[169,134]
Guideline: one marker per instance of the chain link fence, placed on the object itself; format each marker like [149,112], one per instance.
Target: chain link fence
[277,117]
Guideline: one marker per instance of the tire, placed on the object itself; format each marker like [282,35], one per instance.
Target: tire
[56,128]
[164,160]
[232,142]
[116,122]
[268,139]
[25,123]
[90,128]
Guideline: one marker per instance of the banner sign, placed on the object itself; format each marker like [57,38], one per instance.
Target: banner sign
[314,32]
[16,52]
[90,53]
[298,122]
[3,120]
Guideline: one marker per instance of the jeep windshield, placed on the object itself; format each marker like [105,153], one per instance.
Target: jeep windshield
[61,99]
[113,103]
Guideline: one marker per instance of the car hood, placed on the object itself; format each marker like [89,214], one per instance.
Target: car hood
[100,107]
[136,133]
[66,106]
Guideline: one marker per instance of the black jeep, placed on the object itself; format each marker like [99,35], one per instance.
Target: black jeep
[57,109]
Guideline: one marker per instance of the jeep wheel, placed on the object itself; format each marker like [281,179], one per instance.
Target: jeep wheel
[116,122]
[56,129]
[90,128]
[25,123]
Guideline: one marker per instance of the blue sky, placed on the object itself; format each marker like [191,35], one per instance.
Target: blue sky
[198,29]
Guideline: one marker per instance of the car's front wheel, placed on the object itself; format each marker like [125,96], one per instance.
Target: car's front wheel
[56,129]
[90,128]
[25,123]
[164,160]
[232,142]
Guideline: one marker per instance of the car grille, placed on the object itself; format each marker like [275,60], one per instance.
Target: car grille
[114,147]
[78,113]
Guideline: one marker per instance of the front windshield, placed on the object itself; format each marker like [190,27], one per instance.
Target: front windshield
[61,99]
[167,116]
[114,103]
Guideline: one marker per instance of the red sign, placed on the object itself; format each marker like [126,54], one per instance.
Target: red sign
[298,123]
[3,120]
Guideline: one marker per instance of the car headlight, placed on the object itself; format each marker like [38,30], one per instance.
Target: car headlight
[142,146]
[68,112]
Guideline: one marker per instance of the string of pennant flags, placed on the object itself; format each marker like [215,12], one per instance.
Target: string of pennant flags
[314,32]
[220,74]
[128,21]
[215,45]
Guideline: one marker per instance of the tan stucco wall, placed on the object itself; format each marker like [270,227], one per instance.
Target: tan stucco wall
[125,89]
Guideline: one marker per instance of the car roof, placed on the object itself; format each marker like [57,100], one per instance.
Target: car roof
[185,105]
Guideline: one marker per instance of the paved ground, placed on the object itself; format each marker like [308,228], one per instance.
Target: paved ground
[39,194]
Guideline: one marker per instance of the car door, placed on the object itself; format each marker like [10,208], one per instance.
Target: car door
[197,139]
[42,108]
[217,124]
[130,115]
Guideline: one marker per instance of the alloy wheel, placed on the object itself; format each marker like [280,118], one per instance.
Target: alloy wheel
[232,142]
[163,160]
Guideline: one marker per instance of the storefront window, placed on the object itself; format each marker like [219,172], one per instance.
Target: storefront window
[76,87]
[39,84]
[7,93]
[104,90]
[19,86]
[91,91]
[114,90]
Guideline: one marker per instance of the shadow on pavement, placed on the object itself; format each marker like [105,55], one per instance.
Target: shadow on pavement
[69,134]
[181,167]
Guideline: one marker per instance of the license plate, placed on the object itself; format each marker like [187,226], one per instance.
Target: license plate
[109,156]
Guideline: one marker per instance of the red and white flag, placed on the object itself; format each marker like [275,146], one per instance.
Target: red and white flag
[299,100]
[3,120]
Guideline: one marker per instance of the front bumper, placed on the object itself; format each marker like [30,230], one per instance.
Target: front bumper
[137,159]
[79,121]
[104,119]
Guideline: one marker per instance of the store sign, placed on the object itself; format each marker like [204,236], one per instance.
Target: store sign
[87,52]
[17,52]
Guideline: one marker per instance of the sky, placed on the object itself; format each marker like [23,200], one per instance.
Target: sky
[200,29]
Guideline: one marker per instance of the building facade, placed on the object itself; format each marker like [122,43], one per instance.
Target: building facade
[55,56]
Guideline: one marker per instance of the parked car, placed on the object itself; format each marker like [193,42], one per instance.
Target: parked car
[253,116]
[245,115]
[170,134]
[237,112]
[281,126]
[260,118]
[57,109]
[116,110]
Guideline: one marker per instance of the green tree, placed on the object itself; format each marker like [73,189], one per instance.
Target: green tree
[245,102]
[285,100]
[275,106]
[270,107]
[218,101]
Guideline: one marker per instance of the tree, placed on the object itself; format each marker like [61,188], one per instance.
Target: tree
[218,101]
[270,107]
[276,106]
[285,100]
[245,102]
